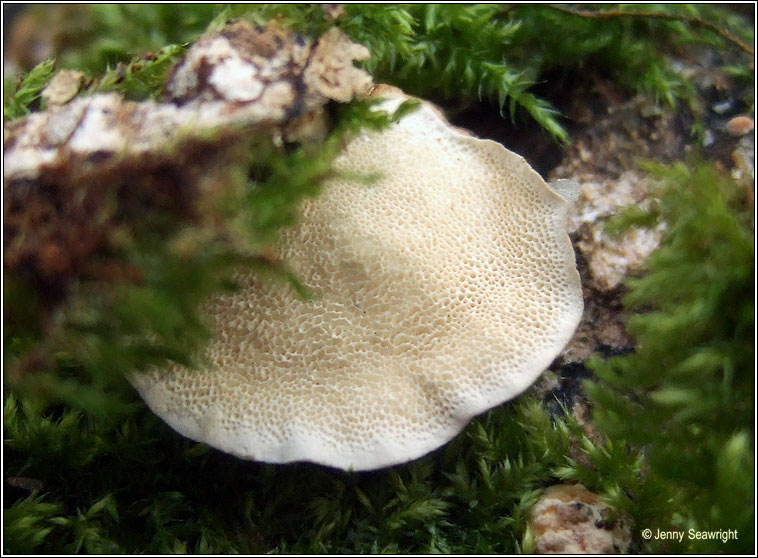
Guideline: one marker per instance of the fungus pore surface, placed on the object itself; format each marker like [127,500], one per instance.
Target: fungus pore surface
[442,289]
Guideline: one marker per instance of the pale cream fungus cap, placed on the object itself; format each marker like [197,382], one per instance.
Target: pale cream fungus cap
[443,289]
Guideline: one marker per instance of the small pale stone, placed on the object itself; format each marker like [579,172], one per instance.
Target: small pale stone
[569,519]
[743,158]
[740,125]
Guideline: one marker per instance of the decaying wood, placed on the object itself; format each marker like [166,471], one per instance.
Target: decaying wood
[239,77]
[88,168]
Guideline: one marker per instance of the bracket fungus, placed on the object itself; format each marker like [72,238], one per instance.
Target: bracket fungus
[441,290]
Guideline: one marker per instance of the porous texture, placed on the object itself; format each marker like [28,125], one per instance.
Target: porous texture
[569,519]
[443,289]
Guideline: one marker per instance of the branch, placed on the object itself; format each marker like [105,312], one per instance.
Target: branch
[690,20]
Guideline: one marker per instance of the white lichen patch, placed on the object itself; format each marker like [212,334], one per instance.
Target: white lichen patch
[236,80]
[100,128]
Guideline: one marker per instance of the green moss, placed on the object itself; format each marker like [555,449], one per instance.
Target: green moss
[99,36]
[472,496]
[142,77]
[684,400]
[459,53]
[21,97]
